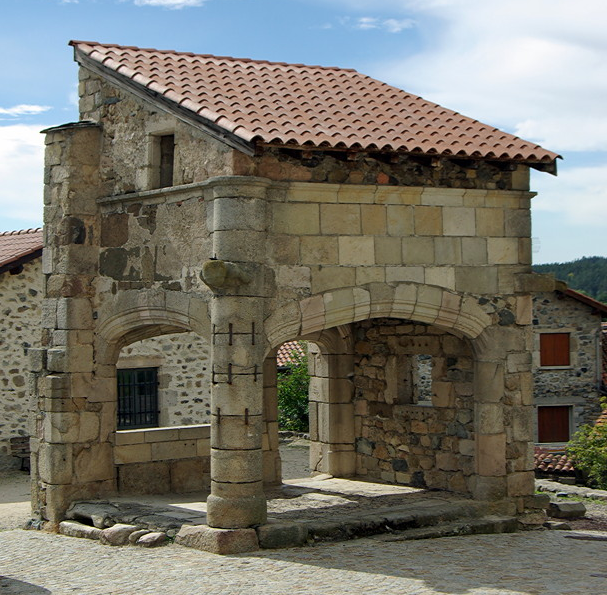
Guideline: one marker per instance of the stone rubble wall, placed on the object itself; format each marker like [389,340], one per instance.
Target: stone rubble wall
[577,386]
[20,299]
[399,438]
[130,126]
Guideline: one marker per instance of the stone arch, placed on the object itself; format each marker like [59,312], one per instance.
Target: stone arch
[137,315]
[452,311]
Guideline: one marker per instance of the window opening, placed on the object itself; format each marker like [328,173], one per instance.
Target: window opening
[167,160]
[137,398]
[423,377]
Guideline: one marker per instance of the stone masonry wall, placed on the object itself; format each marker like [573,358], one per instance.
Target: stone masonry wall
[578,385]
[401,438]
[130,128]
[20,300]
[184,378]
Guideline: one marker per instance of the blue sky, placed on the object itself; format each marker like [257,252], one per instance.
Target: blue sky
[537,68]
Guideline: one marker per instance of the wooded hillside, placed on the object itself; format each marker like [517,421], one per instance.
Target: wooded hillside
[587,275]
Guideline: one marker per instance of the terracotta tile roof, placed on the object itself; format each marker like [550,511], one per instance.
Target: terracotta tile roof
[552,462]
[299,105]
[290,352]
[19,246]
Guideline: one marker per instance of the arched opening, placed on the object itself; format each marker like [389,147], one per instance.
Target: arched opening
[391,400]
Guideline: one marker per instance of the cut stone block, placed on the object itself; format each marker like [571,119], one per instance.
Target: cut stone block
[277,535]
[218,541]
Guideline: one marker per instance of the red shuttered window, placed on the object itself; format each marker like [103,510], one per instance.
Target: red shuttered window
[554,349]
[553,424]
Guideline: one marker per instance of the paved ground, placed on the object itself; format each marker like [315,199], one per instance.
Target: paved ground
[546,563]
[534,563]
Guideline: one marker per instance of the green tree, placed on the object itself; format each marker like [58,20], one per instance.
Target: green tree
[293,387]
[588,449]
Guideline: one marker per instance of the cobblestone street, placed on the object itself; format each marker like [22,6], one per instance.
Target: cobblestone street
[542,562]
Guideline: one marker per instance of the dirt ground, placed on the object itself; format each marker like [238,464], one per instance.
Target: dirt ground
[14,499]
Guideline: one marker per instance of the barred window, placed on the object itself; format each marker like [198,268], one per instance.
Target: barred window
[137,398]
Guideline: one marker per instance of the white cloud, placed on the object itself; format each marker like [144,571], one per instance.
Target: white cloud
[580,193]
[21,172]
[23,110]
[369,23]
[538,68]
[172,4]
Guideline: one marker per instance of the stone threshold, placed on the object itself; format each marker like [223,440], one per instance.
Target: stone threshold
[127,523]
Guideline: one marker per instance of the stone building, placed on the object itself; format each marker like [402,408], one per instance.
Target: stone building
[20,304]
[252,203]
[567,362]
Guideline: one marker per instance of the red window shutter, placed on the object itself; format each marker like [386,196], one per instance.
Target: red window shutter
[554,349]
[553,424]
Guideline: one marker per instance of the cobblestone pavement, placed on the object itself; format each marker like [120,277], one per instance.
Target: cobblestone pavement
[534,563]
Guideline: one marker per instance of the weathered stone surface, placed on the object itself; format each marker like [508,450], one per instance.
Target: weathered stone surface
[98,513]
[218,541]
[152,539]
[276,534]
[117,534]
[73,529]
[566,510]
[135,535]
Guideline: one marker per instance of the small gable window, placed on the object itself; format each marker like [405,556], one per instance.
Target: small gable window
[554,349]
[167,159]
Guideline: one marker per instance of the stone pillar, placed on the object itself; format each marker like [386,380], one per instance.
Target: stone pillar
[73,452]
[503,414]
[331,409]
[236,276]
[272,467]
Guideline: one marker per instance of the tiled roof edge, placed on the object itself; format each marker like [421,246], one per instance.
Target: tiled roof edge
[20,232]
[156,96]
[76,42]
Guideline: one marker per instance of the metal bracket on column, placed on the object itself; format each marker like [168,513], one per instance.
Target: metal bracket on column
[231,333]
[231,372]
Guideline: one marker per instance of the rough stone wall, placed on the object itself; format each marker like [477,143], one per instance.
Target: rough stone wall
[578,385]
[20,299]
[364,168]
[400,438]
[129,129]
[184,377]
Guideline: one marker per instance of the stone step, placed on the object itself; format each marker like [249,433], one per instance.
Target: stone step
[410,518]
[483,525]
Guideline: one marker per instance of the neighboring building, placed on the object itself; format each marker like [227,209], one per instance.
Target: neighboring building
[20,305]
[567,362]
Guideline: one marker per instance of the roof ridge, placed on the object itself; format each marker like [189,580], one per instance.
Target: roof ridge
[21,231]
[75,42]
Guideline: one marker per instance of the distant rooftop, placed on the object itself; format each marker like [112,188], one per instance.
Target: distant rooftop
[18,247]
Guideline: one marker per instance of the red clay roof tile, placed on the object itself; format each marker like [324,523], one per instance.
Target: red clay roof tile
[336,107]
[290,353]
[15,245]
